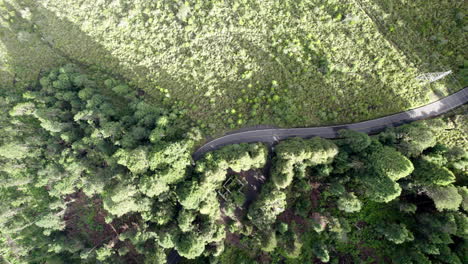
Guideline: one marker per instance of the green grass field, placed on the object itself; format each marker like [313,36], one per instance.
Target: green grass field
[231,64]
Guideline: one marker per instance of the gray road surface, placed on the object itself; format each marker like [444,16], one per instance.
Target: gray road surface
[273,135]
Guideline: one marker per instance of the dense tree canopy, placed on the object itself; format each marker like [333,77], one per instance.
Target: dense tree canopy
[293,156]
[91,172]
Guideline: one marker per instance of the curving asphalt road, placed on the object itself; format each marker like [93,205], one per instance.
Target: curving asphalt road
[272,136]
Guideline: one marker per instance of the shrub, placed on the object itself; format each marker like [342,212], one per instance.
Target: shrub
[349,203]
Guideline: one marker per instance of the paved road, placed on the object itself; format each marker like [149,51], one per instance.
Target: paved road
[272,136]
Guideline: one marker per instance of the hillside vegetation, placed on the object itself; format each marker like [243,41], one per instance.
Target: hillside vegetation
[237,63]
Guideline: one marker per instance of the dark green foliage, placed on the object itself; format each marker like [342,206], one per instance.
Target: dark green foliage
[385,167]
[291,245]
[380,188]
[302,207]
[415,138]
[235,255]
[321,252]
[354,141]
[429,173]
[395,233]
[190,245]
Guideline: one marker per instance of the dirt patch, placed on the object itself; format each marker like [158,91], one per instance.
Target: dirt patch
[263,258]
[367,252]
[288,216]
[233,239]
[315,194]
[85,221]
[255,179]
[319,219]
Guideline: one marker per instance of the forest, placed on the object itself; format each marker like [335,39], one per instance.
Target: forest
[90,173]
[104,103]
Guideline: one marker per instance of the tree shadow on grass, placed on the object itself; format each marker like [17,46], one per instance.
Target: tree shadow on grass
[310,99]
[43,41]
[24,54]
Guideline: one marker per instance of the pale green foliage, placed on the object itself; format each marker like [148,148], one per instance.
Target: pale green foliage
[463,191]
[122,89]
[170,161]
[349,203]
[164,212]
[137,237]
[386,166]
[66,185]
[283,172]
[408,207]
[51,221]
[212,170]
[396,233]
[52,126]
[267,207]
[195,53]
[244,157]
[321,252]
[168,164]
[26,108]
[15,150]
[213,176]
[381,188]
[415,138]
[167,237]
[135,160]
[152,185]
[390,163]
[185,219]
[133,38]
[445,197]
[103,253]
[309,152]
[210,206]
[157,257]
[293,246]
[239,157]
[122,199]
[190,194]
[430,173]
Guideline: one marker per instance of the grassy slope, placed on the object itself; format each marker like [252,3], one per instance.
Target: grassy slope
[23,55]
[286,63]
